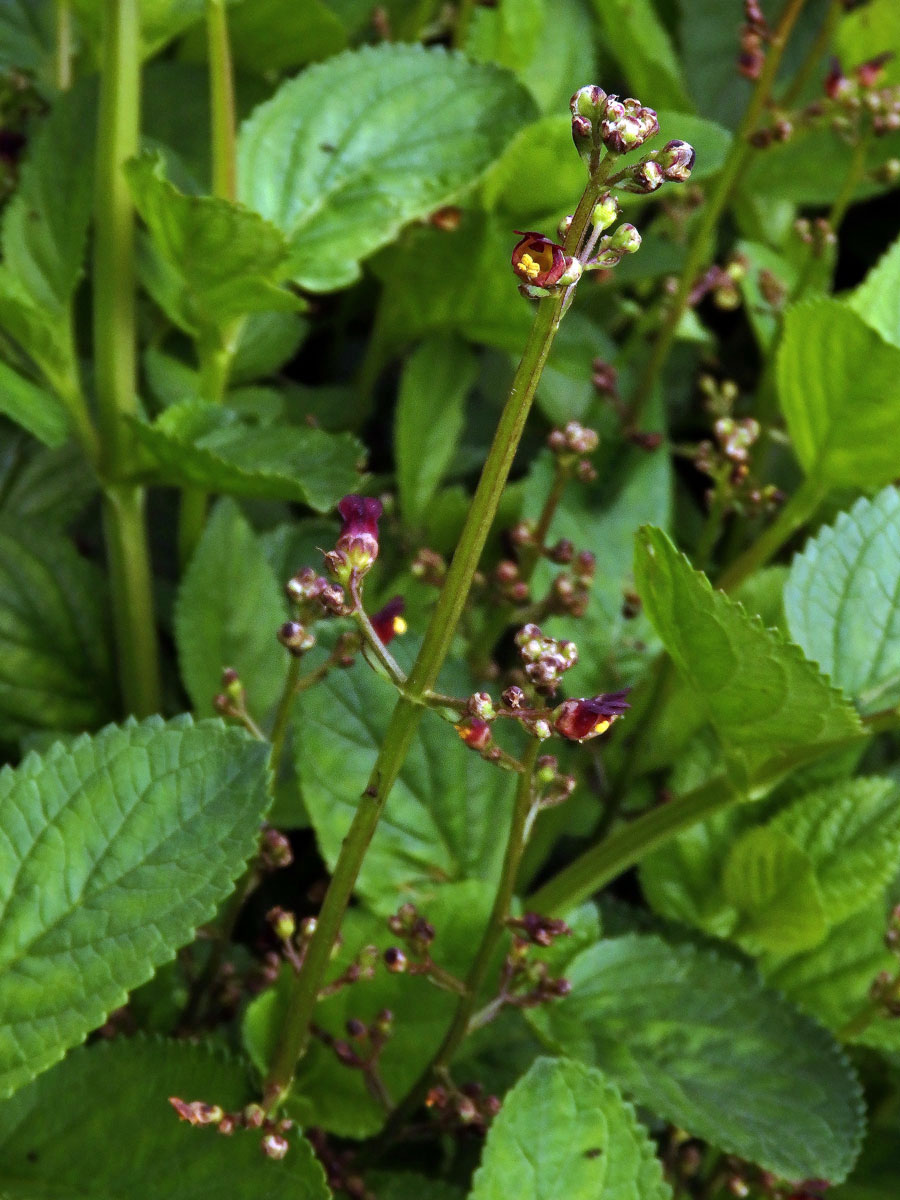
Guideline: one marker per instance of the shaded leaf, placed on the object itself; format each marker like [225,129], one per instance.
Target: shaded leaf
[115,849]
[34,409]
[700,1041]
[640,43]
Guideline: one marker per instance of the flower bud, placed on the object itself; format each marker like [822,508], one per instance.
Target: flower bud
[253,1116]
[589,101]
[606,210]
[513,697]
[284,923]
[626,239]
[273,1145]
[677,161]
[626,125]
[275,850]
[643,178]
[197,1112]
[388,622]
[296,638]
[475,733]
[481,705]
[395,960]
[357,546]
[579,720]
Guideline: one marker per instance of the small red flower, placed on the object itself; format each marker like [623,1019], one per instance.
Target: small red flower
[475,733]
[388,621]
[357,546]
[579,720]
[537,260]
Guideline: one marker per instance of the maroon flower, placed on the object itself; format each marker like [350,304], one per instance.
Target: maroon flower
[475,733]
[579,720]
[388,621]
[537,260]
[357,546]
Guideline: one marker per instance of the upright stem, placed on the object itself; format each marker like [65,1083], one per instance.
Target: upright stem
[294,1035]
[700,247]
[115,357]
[63,45]
[478,971]
[798,510]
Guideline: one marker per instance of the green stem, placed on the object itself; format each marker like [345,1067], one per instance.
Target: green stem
[484,958]
[860,1021]
[622,849]
[463,19]
[215,357]
[283,713]
[798,510]
[294,1034]
[701,244]
[63,62]
[221,102]
[115,359]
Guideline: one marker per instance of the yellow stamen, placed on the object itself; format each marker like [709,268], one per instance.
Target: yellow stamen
[399,625]
[602,725]
[528,267]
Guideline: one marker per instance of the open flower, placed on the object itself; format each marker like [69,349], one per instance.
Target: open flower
[388,622]
[537,260]
[579,720]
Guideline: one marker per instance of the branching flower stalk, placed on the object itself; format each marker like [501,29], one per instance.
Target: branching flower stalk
[543,268]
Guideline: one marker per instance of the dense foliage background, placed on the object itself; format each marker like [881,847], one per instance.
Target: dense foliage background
[256,258]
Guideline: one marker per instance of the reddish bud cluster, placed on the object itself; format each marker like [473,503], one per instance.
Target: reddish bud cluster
[273,1143]
[546,659]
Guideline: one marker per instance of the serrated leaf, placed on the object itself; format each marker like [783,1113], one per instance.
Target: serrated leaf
[115,849]
[44,231]
[34,409]
[56,668]
[851,834]
[37,333]
[214,261]
[429,419]
[325,1093]
[565,1130]
[205,445]
[842,600]
[99,1126]
[341,183]
[877,299]
[769,882]
[765,701]
[839,386]
[227,612]
[447,813]
[50,487]
[700,1041]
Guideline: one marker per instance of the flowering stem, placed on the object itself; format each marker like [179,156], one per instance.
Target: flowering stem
[294,1034]
[484,958]
[699,249]
[798,510]
[131,580]
[283,713]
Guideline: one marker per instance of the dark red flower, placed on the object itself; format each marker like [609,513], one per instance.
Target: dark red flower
[388,621]
[537,260]
[357,546]
[579,720]
[475,733]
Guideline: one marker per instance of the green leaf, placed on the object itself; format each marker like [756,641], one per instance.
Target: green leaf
[842,600]
[33,408]
[270,36]
[121,1137]
[36,332]
[214,261]
[770,883]
[326,1094]
[26,38]
[448,812]
[700,1041]
[44,231]
[115,849]
[850,832]
[340,184]
[565,1130]
[638,40]
[228,610]
[877,299]
[56,669]
[48,487]
[268,340]
[763,698]
[839,386]
[429,420]
[206,446]
[868,32]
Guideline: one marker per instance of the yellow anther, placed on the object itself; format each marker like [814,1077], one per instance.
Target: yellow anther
[399,625]
[528,267]
[602,725]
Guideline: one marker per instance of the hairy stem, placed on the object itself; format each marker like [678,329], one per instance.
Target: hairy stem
[294,1035]
[115,359]
[701,243]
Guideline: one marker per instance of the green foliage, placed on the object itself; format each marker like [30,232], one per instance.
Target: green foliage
[564,1128]
[207,446]
[838,382]
[841,600]
[765,701]
[229,608]
[310,165]
[759,1080]
[877,299]
[33,408]
[116,848]
[641,45]
[54,1136]
[53,633]
[429,419]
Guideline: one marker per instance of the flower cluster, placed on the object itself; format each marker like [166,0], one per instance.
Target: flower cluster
[546,659]
[274,1143]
